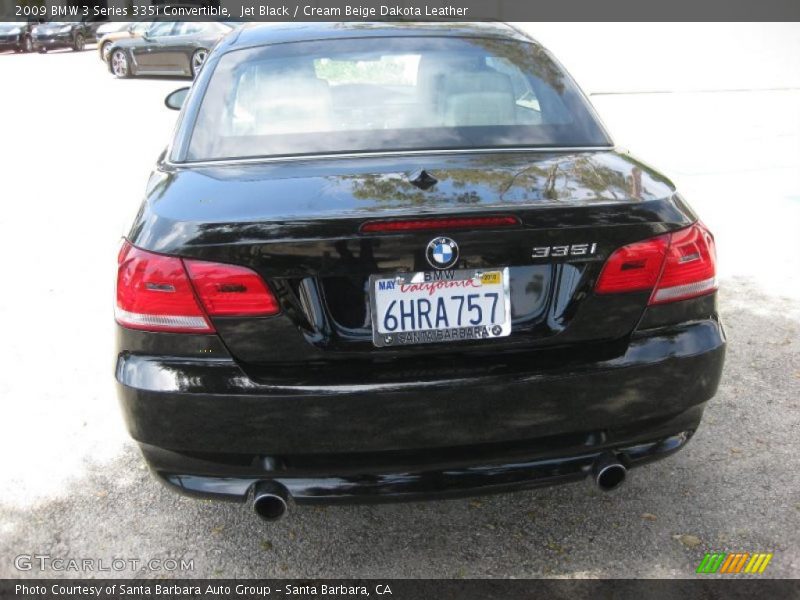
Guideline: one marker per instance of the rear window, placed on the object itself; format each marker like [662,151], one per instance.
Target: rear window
[388,94]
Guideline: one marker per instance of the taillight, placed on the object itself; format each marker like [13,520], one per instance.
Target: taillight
[690,268]
[633,268]
[229,290]
[165,293]
[675,266]
[441,223]
[154,293]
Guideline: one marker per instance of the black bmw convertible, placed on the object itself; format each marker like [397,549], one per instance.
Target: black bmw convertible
[405,261]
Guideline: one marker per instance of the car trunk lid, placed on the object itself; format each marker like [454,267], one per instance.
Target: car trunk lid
[299,223]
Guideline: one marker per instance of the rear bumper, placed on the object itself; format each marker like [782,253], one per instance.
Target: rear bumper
[385,485]
[207,428]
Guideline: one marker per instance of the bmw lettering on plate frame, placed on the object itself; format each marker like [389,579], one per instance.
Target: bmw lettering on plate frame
[440,306]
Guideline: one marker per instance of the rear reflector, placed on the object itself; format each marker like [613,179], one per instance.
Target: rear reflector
[165,293]
[439,223]
[675,266]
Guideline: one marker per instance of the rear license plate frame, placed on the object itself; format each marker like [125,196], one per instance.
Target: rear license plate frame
[437,335]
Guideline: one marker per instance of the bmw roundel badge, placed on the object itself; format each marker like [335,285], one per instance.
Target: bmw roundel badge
[442,253]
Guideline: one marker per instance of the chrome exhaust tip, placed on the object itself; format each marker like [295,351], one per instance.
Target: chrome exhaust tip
[270,500]
[608,472]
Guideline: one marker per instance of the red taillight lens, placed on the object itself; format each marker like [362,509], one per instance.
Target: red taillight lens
[633,268]
[690,268]
[676,266]
[164,293]
[438,223]
[154,293]
[229,290]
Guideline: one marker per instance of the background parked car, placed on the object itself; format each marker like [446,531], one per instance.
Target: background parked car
[108,35]
[62,34]
[17,36]
[166,48]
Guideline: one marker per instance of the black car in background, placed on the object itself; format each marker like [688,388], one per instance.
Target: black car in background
[173,48]
[17,36]
[66,34]
[62,34]
[113,32]
[398,261]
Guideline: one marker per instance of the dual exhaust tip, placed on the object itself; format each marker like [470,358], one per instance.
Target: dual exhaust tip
[271,499]
[607,472]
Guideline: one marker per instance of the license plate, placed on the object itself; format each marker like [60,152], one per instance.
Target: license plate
[444,306]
